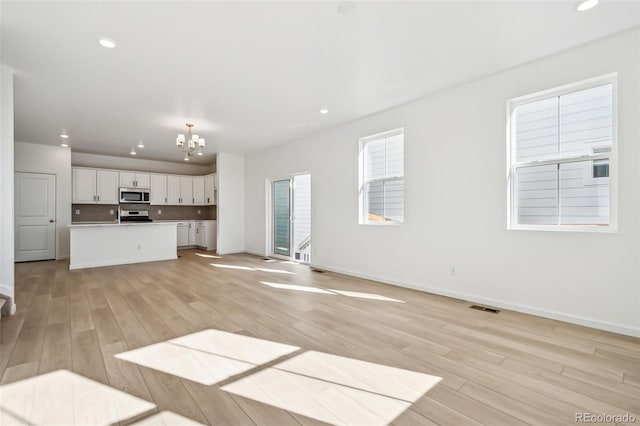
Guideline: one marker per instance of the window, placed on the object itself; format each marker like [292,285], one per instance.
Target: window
[562,150]
[382,178]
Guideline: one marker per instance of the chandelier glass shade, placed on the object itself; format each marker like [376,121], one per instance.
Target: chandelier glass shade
[191,144]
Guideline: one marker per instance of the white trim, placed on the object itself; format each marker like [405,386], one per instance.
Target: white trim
[512,165]
[7,291]
[362,182]
[531,310]
[111,262]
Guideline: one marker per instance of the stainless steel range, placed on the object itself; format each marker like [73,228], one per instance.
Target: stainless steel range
[134,215]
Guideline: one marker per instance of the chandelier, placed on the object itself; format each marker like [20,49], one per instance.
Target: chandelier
[194,143]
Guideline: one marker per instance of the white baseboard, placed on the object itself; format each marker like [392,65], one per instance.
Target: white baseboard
[541,312]
[113,262]
[8,291]
[231,252]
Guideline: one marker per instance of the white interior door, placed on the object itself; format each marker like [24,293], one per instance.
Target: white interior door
[35,211]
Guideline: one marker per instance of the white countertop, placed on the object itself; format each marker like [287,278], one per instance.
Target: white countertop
[104,224]
[182,221]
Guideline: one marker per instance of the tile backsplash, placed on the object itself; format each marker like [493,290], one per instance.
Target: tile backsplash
[102,212]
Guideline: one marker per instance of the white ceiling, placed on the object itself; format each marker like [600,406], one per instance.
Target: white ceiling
[254,74]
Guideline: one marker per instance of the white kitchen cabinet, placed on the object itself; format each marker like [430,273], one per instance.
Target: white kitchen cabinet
[84,186]
[198,190]
[179,190]
[107,190]
[134,180]
[173,190]
[158,189]
[91,186]
[186,190]
[192,233]
[200,234]
[210,234]
[210,189]
[183,234]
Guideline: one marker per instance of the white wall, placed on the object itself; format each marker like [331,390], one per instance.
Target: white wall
[56,160]
[456,200]
[139,164]
[7,274]
[231,212]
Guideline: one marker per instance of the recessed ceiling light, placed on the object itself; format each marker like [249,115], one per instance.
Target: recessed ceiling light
[105,42]
[133,152]
[346,7]
[586,5]
[63,136]
[140,144]
[64,145]
[200,153]
[324,111]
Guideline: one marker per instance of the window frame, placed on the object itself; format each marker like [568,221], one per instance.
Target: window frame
[362,182]
[512,164]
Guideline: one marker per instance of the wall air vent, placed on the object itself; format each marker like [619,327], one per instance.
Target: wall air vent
[484,308]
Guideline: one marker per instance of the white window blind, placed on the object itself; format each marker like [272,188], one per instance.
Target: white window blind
[562,150]
[382,178]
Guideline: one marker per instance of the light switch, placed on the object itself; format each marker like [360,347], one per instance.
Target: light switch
[198,211]
[77,211]
[159,211]
[111,212]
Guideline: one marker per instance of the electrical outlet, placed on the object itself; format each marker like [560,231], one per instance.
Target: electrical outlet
[159,211]
[198,211]
[77,211]
[452,270]
[111,212]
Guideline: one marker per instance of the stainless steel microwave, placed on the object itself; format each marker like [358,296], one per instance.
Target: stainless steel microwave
[134,195]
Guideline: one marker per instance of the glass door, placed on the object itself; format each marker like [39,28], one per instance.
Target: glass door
[282,217]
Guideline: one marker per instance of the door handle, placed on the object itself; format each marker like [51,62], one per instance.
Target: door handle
[51,220]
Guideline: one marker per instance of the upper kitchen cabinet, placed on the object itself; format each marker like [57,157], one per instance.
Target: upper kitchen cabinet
[135,180]
[91,186]
[198,190]
[186,190]
[158,189]
[210,189]
[179,190]
[173,190]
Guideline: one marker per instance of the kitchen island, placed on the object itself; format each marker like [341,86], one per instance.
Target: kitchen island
[104,244]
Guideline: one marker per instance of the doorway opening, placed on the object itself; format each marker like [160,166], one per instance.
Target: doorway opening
[291,218]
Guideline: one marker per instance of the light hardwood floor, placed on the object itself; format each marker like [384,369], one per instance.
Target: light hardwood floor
[185,340]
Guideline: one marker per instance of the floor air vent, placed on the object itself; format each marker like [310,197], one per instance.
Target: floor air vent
[484,308]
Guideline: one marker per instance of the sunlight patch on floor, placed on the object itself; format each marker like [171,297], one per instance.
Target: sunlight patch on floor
[331,291]
[166,418]
[209,356]
[210,256]
[360,295]
[198,366]
[335,389]
[235,346]
[248,268]
[222,265]
[277,271]
[66,398]
[297,288]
